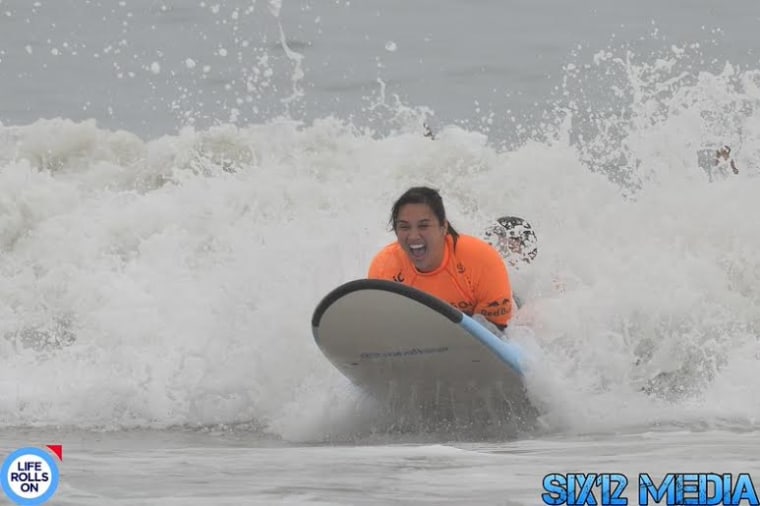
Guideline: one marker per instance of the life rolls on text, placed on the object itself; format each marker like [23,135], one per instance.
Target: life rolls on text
[616,489]
[30,475]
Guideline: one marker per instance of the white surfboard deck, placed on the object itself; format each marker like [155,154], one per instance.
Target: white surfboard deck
[417,352]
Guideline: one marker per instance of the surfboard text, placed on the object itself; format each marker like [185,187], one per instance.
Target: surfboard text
[403,353]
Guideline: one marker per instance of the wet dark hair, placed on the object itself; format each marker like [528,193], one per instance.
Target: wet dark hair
[427,196]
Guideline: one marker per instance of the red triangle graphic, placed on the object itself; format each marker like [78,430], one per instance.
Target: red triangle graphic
[58,450]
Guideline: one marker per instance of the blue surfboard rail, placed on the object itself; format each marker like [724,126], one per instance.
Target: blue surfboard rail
[508,352]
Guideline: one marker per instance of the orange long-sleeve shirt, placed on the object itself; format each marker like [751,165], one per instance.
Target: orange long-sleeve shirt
[472,277]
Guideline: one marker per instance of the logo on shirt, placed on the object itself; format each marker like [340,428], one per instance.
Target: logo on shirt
[497,308]
[460,268]
[463,305]
[492,314]
[497,303]
[399,278]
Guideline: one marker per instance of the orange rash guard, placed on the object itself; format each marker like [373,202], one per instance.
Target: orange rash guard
[472,277]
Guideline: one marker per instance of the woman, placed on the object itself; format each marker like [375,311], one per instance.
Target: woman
[431,256]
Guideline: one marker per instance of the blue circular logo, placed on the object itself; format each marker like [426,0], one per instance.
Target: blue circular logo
[29,476]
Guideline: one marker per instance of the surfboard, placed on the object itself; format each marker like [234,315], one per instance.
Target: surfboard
[421,356]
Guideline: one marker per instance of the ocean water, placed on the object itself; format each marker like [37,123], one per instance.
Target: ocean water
[181,183]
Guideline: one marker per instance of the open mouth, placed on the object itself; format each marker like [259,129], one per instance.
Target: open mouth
[418,250]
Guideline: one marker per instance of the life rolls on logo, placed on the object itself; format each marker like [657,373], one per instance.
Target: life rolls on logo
[30,476]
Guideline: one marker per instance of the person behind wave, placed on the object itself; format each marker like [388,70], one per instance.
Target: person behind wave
[431,256]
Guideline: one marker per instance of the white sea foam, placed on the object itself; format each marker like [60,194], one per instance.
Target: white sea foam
[171,281]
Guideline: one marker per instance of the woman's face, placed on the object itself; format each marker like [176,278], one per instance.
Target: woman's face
[421,236]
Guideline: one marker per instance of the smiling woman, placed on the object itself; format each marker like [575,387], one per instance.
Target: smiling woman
[431,256]
[421,234]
